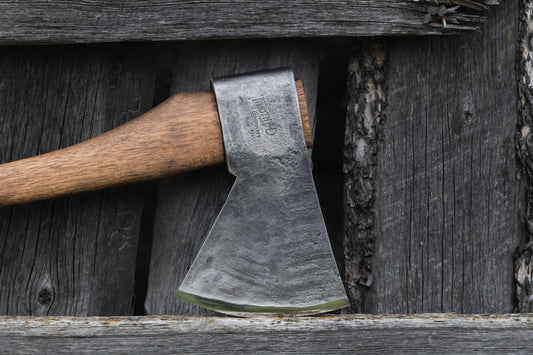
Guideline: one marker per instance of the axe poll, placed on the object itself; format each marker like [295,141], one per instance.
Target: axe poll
[268,250]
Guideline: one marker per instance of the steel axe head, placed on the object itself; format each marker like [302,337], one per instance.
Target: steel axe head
[268,250]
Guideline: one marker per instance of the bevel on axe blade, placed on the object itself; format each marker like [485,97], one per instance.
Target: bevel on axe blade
[268,250]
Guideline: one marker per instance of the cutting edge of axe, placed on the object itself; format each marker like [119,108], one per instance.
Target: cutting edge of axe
[180,135]
[245,310]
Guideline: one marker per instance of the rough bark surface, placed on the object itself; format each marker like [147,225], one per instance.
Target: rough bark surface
[364,125]
[107,20]
[448,203]
[74,255]
[432,333]
[188,205]
[524,253]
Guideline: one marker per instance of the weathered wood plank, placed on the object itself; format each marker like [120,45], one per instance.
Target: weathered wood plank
[445,201]
[188,205]
[75,255]
[108,20]
[430,333]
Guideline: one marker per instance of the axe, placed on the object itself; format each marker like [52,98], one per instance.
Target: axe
[268,250]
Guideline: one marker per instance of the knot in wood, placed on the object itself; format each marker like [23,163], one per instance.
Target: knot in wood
[45,297]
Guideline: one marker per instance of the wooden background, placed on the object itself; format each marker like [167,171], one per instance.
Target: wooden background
[425,199]
[61,21]
[435,195]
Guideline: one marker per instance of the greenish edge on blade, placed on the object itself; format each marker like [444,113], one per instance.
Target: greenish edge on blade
[242,310]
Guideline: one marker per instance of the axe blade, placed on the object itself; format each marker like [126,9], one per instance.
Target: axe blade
[268,250]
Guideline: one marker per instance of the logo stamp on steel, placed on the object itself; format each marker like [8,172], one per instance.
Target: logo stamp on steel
[261,118]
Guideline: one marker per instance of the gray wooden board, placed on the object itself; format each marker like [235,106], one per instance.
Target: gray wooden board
[74,255]
[108,20]
[431,333]
[188,205]
[448,202]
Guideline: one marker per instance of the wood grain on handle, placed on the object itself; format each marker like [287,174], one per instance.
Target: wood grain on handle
[180,135]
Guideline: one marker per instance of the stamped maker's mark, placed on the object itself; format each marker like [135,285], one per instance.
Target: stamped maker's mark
[261,118]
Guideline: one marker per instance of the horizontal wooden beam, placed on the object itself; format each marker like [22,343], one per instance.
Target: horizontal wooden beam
[174,334]
[65,21]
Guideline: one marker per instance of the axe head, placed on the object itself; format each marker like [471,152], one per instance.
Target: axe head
[268,250]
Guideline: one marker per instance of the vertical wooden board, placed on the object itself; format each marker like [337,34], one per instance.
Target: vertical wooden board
[447,199]
[449,151]
[73,255]
[188,205]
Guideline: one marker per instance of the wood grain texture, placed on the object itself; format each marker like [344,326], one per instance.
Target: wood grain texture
[76,255]
[431,333]
[179,135]
[448,203]
[188,205]
[107,20]
[523,260]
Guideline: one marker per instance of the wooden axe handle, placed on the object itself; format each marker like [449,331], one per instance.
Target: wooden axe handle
[180,135]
